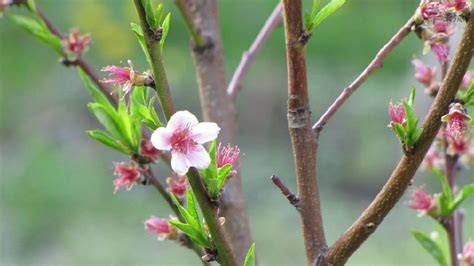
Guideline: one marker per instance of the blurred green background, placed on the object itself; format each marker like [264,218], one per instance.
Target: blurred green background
[57,206]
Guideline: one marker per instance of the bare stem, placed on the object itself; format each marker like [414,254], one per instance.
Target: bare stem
[272,22]
[159,74]
[376,63]
[201,16]
[401,177]
[210,212]
[452,226]
[292,198]
[302,136]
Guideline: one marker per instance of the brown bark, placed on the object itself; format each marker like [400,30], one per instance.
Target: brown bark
[302,136]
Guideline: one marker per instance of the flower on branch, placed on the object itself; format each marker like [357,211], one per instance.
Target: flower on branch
[424,74]
[467,256]
[184,136]
[397,113]
[459,5]
[227,155]
[147,150]
[423,202]
[127,76]
[75,45]
[161,228]
[177,186]
[457,128]
[128,175]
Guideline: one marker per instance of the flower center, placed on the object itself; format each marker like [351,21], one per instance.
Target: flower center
[181,140]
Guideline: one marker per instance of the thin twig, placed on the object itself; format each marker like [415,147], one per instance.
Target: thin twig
[302,136]
[272,22]
[399,180]
[292,198]
[376,63]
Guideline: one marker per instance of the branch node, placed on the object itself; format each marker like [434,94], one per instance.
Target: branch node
[298,117]
[292,198]
[370,227]
[208,45]
[304,37]
[322,255]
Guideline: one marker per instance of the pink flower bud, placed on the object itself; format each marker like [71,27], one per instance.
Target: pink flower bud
[147,150]
[424,74]
[124,75]
[160,227]
[127,174]
[433,10]
[457,122]
[441,50]
[177,186]
[467,79]
[76,45]
[184,137]
[227,155]
[397,113]
[467,256]
[422,201]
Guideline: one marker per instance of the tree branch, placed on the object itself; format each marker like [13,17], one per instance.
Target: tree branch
[399,180]
[302,136]
[157,68]
[210,211]
[292,198]
[217,107]
[376,63]
[272,22]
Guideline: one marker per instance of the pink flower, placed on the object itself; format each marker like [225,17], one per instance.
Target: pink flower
[441,50]
[147,150]
[184,136]
[456,119]
[424,74]
[397,113]
[467,256]
[128,175]
[227,155]
[421,201]
[433,10]
[467,79]
[433,159]
[160,227]
[124,75]
[177,186]
[458,5]
[75,45]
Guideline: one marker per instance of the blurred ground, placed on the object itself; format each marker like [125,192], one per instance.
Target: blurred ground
[57,206]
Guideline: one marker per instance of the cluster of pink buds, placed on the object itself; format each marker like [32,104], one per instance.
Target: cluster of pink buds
[75,45]
[466,258]
[457,129]
[228,155]
[161,228]
[423,202]
[397,113]
[147,150]
[127,76]
[128,175]
[177,186]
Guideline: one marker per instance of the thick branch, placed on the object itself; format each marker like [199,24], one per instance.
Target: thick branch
[272,22]
[159,74]
[210,212]
[376,63]
[302,136]
[399,180]
[217,107]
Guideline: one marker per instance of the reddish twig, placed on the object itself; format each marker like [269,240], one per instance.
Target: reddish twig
[376,63]
[272,22]
[400,178]
[302,136]
[292,198]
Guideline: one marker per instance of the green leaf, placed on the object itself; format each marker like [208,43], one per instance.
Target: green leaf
[327,11]
[463,194]
[165,26]
[210,174]
[314,9]
[108,140]
[411,100]
[159,14]
[222,175]
[38,30]
[141,40]
[191,232]
[96,94]
[410,117]
[107,119]
[431,246]
[150,13]
[400,132]
[191,206]
[31,5]
[250,257]
[445,198]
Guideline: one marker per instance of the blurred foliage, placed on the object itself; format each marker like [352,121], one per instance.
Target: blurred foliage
[56,199]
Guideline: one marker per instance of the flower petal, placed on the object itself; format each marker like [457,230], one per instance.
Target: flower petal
[179,163]
[198,157]
[205,132]
[181,119]
[161,138]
